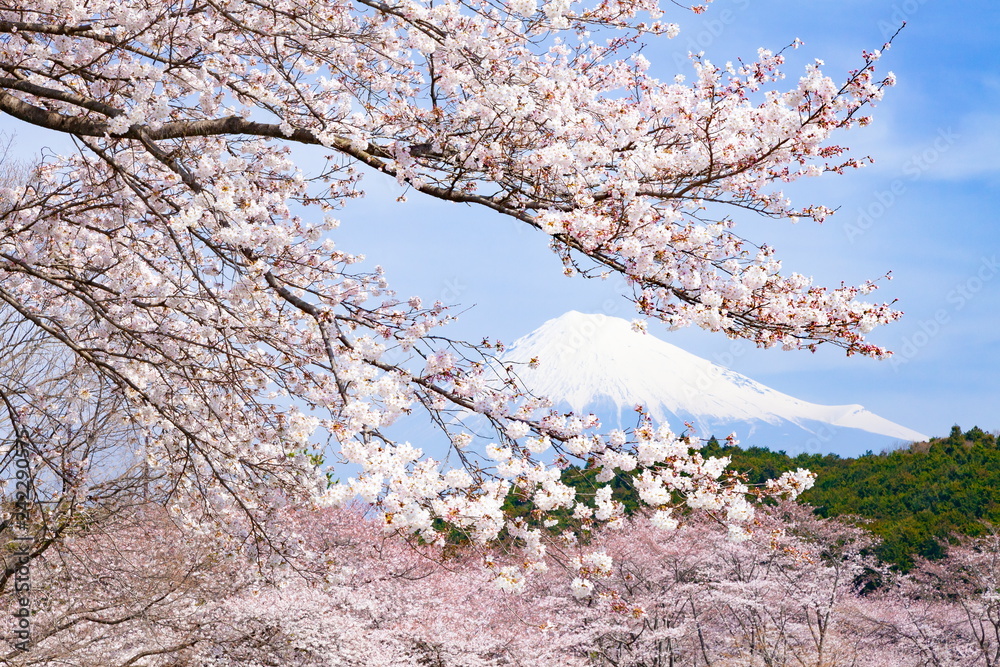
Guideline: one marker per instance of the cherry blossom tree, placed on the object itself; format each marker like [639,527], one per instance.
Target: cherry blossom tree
[65,433]
[68,436]
[948,611]
[691,596]
[184,260]
[134,589]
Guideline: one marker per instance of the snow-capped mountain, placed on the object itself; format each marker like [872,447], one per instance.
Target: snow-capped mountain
[596,363]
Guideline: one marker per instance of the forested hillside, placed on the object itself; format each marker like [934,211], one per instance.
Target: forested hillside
[915,497]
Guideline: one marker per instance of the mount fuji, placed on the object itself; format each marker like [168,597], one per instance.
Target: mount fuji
[596,363]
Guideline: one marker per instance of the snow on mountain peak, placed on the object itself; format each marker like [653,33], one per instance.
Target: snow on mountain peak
[593,361]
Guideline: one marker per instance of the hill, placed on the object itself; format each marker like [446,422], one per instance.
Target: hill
[915,497]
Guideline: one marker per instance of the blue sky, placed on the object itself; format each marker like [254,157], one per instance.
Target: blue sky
[924,210]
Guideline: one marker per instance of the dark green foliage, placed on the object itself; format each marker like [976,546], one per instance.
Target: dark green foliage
[915,497]
[584,481]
